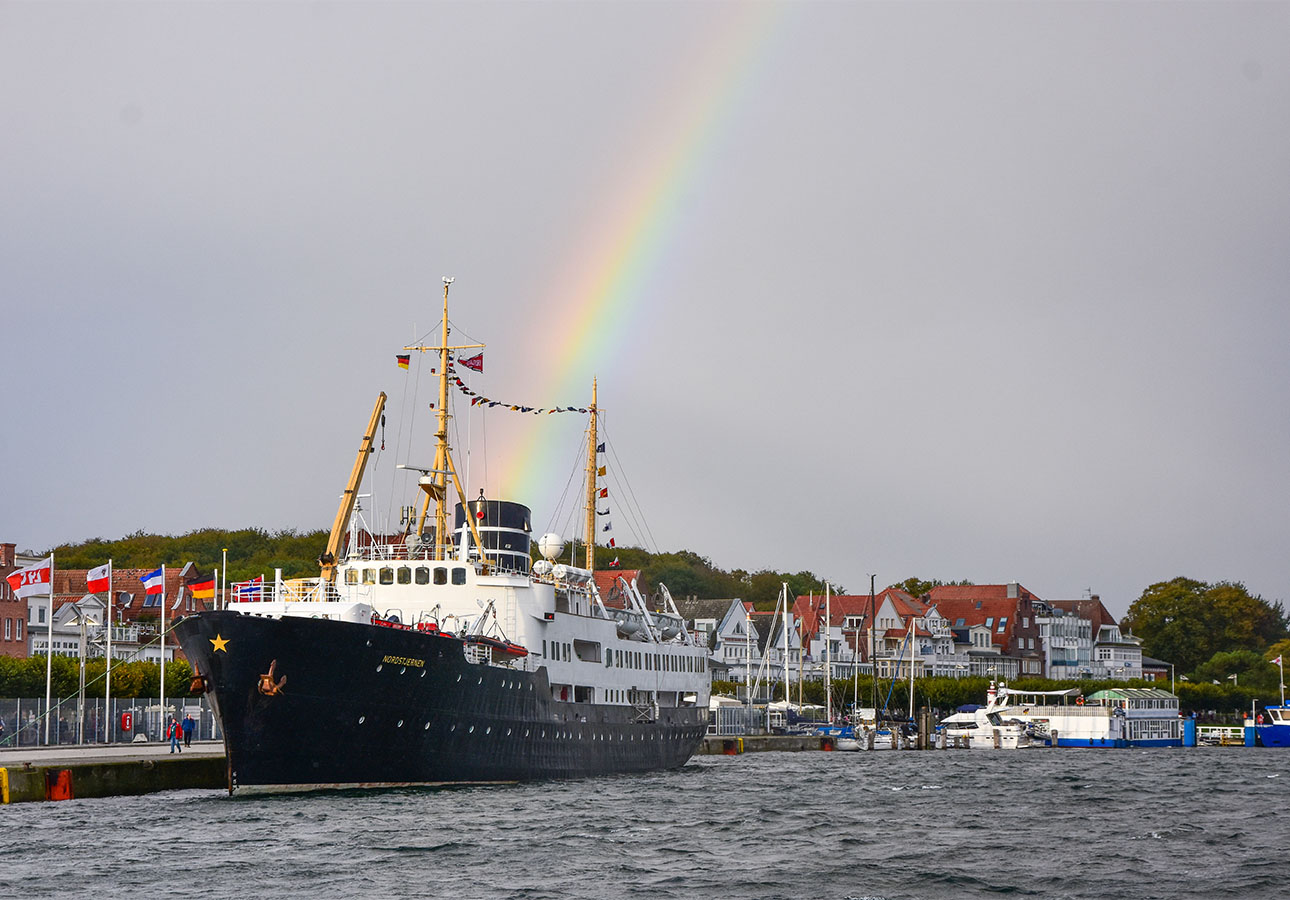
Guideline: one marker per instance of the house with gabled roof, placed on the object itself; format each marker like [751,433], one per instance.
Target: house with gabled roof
[1008,612]
[777,647]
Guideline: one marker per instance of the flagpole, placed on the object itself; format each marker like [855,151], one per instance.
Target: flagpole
[49,651]
[222,599]
[163,645]
[107,688]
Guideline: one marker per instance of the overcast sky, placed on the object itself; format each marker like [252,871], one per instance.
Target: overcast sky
[973,290]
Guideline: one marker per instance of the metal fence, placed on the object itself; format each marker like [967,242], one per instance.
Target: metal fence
[129,719]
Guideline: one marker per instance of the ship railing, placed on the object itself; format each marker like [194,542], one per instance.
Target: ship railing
[1220,736]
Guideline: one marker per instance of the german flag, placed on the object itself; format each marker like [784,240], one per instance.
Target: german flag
[203,590]
[403,359]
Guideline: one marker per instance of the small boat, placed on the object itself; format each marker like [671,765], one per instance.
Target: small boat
[981,729]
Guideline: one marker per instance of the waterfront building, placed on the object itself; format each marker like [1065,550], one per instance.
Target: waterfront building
[1115,654]
[1067,641]
[14,611]
[1007,611]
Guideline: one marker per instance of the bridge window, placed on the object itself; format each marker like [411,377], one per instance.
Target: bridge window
[387,575]
[405,575]
[369,576]
[351,576]
[440,575]
[458,576]
[423,574]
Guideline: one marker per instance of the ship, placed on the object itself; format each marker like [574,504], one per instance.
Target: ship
[446,654]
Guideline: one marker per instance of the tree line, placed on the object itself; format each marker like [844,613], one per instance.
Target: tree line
[26,677]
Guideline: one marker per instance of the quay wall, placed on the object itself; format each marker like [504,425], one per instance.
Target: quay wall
[30,783]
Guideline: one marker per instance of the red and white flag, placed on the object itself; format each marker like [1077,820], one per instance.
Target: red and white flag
[33,579]
[475,362]
[98,579]
[1277,661]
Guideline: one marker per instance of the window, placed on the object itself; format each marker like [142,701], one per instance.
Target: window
[423,577]
[440,575]
[458,576]
[405,575]
[387,575]
[17,636]
[959,623]
[40,613]
[8,629]
[989,621]
[351,576]
[369,576]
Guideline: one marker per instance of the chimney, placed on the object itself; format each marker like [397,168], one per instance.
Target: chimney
[7,554]
[1012,590]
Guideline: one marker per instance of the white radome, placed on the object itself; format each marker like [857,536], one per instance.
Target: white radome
[551,545]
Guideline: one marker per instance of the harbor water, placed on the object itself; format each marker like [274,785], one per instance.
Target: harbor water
[1168,823]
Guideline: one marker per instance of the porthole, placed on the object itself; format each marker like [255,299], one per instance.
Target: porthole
[481,680]
[526,732]
[488,730]
[459,676]
[427,728]
[452,727]
[400,725]
[362,719]
[378,667]
[369,643]
[470,730]
[423,673]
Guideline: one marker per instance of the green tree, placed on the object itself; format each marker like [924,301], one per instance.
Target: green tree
[917,587]
[1249,667]
[1186,622]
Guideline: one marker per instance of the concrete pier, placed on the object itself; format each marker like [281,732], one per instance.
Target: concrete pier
[30,774]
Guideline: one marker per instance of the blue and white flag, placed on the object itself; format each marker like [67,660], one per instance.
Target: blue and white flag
[152,582]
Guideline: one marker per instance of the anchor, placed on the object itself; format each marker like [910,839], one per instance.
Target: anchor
[269,687]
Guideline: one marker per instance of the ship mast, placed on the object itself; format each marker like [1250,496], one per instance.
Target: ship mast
[436,485]
[590,546]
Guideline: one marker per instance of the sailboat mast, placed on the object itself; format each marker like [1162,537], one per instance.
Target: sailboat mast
[590,547]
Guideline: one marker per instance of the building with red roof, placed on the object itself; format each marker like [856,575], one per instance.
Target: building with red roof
[1006,613]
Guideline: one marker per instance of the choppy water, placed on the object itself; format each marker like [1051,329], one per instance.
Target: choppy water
[1053,823]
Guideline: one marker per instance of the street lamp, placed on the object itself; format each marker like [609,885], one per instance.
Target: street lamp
[83,618]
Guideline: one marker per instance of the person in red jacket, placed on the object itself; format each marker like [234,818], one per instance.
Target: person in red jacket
[173,731]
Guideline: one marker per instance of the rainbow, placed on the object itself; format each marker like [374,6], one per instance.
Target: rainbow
[596,297]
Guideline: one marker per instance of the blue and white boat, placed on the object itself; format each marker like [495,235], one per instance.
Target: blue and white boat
[1118,717]
[1275,729]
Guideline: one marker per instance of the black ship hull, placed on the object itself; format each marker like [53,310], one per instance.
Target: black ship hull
[307,703]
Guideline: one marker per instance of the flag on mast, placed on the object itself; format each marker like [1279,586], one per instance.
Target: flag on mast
[203,590]
[153,582]
[37,579]
[99,579]
[475,362]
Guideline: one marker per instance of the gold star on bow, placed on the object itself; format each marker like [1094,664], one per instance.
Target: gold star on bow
[220,644]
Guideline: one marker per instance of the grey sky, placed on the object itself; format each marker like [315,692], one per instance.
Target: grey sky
[984,291]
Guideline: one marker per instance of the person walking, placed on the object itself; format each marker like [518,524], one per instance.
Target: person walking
[189,725]
[172,731]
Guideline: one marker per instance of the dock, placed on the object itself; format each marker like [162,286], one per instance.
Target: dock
[30,774]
